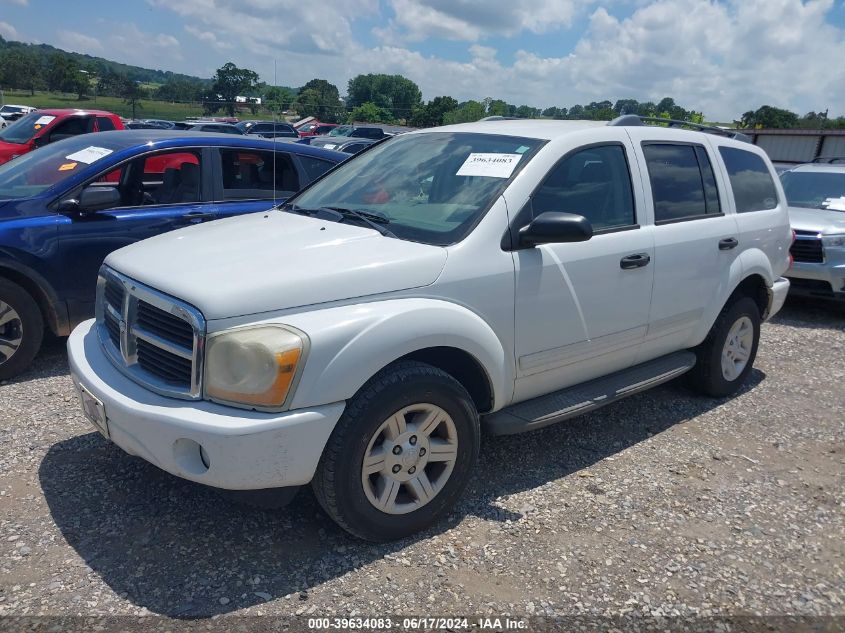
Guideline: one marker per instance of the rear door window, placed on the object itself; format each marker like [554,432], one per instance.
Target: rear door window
[752,184]
[104,124]
[683,185]
[255,175]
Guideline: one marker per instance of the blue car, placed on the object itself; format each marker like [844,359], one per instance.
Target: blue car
[66,206]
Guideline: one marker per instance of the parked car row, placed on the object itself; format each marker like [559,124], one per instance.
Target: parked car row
[64,207]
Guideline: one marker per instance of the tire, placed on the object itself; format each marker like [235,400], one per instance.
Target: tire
[709,377]
[393,406]
[22,332]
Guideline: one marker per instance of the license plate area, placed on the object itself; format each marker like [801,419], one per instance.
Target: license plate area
[93,409]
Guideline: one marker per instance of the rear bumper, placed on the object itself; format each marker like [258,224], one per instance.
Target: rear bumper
[779,290]
[241,450]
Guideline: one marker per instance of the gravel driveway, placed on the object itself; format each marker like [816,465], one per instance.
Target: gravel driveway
[663,504]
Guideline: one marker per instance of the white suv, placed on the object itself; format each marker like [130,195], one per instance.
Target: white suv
[497,276]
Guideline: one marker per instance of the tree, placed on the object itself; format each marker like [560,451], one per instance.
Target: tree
[230,81]
[466,113]
[768,117]
[279,98]
[63,74]
[21,68]
[179,89]
[626,106]
[396,93]
[132,94]
[497,107]
[370,113]
[320,99]
[432,113]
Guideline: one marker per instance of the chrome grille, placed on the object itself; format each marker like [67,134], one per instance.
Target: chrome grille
[155,339]
[807,247]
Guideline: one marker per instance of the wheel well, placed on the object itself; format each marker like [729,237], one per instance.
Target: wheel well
[754,286]
[48,312]
[463,367]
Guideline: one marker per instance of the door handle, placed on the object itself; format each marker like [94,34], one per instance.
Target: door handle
[728,243]
[197,217]
[637,260]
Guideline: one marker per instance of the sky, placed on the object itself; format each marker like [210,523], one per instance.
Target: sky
[723,57]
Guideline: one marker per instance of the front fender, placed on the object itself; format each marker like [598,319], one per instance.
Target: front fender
[350,344]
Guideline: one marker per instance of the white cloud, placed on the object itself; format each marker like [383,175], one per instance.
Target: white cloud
[21,3]
[9,32]
[722,57]
[79,42]
[472,20]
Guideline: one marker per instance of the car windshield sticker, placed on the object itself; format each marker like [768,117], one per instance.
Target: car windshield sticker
[89,154]
[329,146]
[490,165]
[522,149]
[834,204]
[67,166]
[44,120]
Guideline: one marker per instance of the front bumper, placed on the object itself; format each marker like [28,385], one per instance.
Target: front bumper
[818,280]
[241,450]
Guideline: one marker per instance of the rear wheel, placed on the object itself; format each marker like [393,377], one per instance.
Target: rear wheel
[21,329]
[401,455]
[726,356]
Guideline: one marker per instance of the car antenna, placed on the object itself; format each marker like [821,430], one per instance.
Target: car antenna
[275,116]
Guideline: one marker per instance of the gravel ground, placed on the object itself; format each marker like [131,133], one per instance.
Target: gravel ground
[663,504]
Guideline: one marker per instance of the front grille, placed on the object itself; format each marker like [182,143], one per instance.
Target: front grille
[166,365]
[155,339]
[165,325]
[807,247]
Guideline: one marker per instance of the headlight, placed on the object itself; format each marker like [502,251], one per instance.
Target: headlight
[253,366]
[833,240]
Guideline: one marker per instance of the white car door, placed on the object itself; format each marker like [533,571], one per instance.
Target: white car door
[695,238]
[581,309]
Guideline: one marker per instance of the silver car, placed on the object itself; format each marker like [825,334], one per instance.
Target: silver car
[816,196]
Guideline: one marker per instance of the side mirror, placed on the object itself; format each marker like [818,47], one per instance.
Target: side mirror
[553,227]
[96,198]
[40,141]
[69,205]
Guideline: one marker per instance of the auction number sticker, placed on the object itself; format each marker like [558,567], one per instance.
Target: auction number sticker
[44,120]
[490,165]
[89,154]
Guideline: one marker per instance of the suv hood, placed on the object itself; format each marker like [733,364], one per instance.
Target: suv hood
[276,260]
[817,220]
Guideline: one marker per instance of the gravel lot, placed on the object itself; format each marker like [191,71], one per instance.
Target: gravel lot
[664,504]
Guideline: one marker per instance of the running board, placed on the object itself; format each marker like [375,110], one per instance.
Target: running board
[588,396]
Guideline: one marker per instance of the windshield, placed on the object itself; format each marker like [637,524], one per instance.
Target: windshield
[341,130]
[430,187]
[812,188]
[30,174]
[22,130]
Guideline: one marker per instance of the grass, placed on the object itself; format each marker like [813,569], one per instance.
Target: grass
[149,109]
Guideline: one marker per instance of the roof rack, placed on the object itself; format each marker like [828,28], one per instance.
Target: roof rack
[629,120]
[829,159]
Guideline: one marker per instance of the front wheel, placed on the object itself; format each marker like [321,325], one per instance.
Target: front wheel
[726,356]
[401,455]
[21,329]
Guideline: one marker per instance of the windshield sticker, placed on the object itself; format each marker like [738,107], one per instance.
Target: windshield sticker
[329,145]
[490,165]
[67,166]
[89,154]
[522,149]
[44,120]
[834,204]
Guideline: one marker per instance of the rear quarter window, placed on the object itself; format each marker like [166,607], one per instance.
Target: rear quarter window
[752,184]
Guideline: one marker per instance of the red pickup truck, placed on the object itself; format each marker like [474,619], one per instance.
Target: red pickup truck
[46,126]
